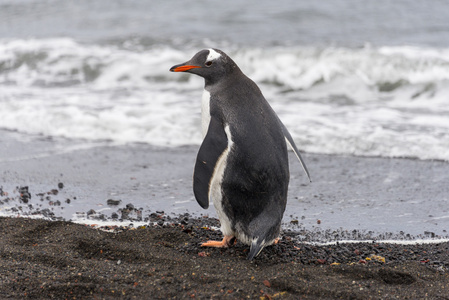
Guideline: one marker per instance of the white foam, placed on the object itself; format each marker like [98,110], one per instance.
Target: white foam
[100,223]
[395,242]
[387,101]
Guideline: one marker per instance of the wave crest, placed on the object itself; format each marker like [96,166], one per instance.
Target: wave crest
[66,62]
[387,101]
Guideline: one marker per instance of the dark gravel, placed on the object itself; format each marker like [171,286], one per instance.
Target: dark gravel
[62,260]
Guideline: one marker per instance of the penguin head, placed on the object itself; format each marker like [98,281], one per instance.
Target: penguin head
[211,64]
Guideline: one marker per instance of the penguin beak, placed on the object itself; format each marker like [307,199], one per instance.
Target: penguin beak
[182,68]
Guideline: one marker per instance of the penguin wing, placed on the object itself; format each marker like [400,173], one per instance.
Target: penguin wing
[292,144]
[214,144]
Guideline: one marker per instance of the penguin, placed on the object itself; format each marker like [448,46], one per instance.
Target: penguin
[242,163]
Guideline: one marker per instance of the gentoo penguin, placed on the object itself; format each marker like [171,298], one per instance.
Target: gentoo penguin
[242,164]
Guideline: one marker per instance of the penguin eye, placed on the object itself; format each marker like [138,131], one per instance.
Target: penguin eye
[208,63]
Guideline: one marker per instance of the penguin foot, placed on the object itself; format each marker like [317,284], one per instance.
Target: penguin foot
[227,241]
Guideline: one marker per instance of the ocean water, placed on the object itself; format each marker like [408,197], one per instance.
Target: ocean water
[346,77]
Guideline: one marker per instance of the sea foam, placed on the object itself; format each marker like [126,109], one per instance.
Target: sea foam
[382,101]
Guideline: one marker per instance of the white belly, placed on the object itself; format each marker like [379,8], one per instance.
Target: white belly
[205,112]
[215,189]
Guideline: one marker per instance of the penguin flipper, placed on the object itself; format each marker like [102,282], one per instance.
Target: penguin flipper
[292,145]
[214,144]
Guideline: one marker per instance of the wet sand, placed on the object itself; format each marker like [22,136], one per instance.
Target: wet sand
[380,198]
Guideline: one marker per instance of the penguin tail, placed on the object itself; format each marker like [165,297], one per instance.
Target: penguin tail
[256,247]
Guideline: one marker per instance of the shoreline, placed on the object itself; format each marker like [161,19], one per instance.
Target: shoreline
[378,198]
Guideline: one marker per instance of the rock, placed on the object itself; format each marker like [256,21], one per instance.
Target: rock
[25,196]
[113,202]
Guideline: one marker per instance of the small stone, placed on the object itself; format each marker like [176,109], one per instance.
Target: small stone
[113,202]
[60,185]
[24,194]
[125,214]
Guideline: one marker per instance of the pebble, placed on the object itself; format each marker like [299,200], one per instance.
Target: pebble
[113,202]
[25,196]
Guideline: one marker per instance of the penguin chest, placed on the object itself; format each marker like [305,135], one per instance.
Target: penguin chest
[216,191]
[205,112]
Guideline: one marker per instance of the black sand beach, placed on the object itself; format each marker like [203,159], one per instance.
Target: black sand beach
[59,260]
[350,198]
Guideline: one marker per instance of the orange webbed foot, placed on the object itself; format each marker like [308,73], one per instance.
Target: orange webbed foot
[226,242]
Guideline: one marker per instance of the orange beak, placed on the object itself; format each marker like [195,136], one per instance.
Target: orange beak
[183,68]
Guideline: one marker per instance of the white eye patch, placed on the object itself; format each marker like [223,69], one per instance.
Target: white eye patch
[213,55]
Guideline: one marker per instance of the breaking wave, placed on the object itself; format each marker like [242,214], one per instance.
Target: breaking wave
[386,101]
